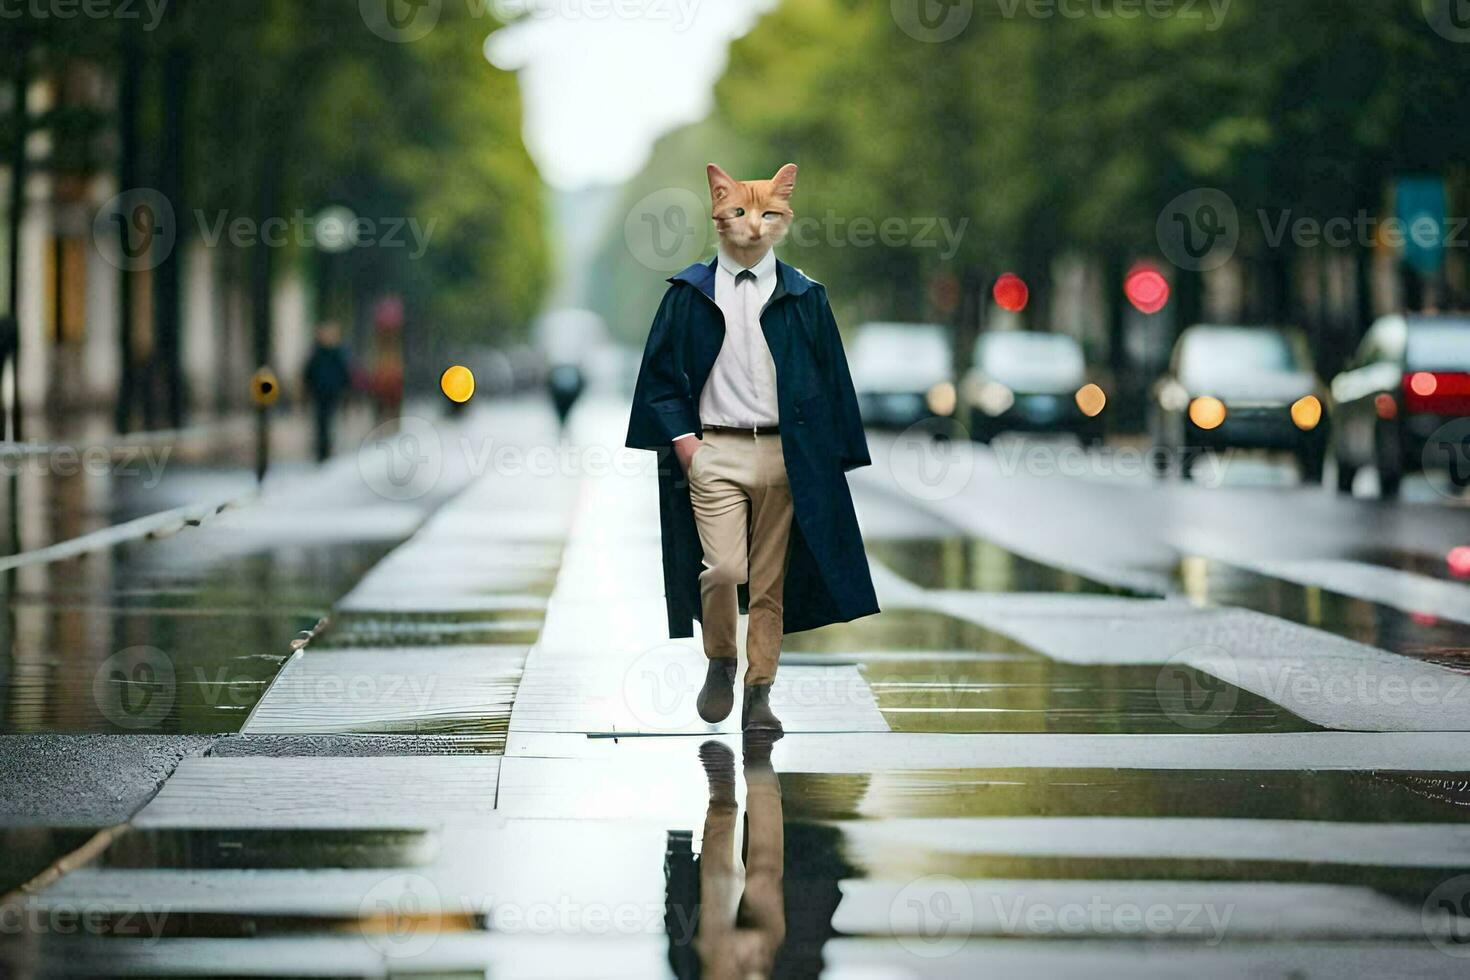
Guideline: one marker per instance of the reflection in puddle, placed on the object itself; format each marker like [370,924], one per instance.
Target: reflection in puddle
[212,850]
[120,642]
[359,629]
[975,564]
[1419,563]
[1359,797]
[1042,695]
[759,897]
[27,851]
[1419,635]
[902,630]
[931,672]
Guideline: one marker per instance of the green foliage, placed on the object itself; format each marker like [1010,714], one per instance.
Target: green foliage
[300,96]
[1069,134]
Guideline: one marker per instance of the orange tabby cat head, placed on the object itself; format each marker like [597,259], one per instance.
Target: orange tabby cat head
[752,215]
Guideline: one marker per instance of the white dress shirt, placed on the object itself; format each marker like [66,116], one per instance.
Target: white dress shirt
[741,388]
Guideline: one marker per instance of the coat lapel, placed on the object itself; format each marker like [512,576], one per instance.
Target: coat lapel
[789,283]
[775,325]
[700,275]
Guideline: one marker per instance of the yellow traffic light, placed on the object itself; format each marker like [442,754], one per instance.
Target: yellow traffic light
[457,383]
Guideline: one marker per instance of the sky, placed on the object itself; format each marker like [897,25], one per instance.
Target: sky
[601,80]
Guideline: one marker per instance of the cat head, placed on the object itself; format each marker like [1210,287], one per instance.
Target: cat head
[752,216]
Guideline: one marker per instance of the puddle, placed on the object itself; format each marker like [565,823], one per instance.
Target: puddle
[359,629]
[977,565]
[902,630]
[1359,797]
[204,850]
[779,866]
[27,851]
[126,641]
[1422,636]
[1038,695]
[1419,563]
[931,672]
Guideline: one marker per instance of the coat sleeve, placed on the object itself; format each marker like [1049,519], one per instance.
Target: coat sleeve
[853,441]
[662,407]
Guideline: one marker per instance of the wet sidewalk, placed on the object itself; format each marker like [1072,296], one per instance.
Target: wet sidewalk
[489,763]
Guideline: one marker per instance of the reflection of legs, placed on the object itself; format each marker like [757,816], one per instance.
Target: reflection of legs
[762,913]
[770,533]
[719,878]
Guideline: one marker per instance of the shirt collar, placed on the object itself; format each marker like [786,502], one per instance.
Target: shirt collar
[764,270]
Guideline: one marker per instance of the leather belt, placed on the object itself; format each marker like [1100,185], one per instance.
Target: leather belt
[752,433]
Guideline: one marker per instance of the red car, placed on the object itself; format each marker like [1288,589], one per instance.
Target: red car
[1403,404]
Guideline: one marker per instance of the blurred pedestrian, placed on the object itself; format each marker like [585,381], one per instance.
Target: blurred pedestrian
[565,383]
[328,377]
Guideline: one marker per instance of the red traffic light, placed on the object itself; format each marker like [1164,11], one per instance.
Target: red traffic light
[1011,293]
[1147,289]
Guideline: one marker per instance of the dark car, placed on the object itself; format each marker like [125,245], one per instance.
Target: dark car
[903,373]
[1231,387]
[1409,379]
[1025,381]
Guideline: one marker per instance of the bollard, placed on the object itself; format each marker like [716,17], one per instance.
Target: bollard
[265,388]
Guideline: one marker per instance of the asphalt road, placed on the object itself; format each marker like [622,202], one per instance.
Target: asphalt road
[1105,725]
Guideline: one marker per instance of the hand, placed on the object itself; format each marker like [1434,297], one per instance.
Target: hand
[685,449]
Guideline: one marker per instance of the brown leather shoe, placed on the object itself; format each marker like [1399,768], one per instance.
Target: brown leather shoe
[756,714]
[719,768]
[717,696]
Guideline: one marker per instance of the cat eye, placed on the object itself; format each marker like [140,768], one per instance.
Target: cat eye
[772,215]
[739,212]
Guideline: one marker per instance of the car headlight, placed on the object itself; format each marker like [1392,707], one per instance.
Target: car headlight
[995,398]
[1173,397]
[1207,412]
[941,398]
[1306,412]
[1091,400]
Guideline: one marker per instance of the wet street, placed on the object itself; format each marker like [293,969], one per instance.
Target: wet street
[1104,726]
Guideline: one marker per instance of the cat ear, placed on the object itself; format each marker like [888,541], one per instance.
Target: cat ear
[721,184]
[784,183]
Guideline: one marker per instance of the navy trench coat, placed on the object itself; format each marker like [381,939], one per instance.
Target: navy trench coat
[827,578]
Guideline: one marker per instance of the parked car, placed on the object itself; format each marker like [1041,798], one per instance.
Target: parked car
[903,373]
[1023,381]
[1410,376]
[1240,388]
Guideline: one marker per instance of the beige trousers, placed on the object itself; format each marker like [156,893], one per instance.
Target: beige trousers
[742,506]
